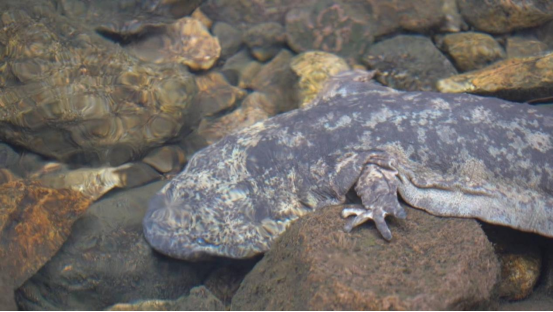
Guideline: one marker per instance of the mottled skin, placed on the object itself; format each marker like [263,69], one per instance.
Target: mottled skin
[448,154]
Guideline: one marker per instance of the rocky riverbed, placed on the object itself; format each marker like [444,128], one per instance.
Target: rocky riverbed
[102,102]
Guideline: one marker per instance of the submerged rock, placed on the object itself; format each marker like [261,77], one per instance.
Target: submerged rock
[409,63]
[499,17]
[107,261]
[265,40]
[71,95]
[313,69]
[330,26]
[34,223]
[186,41]
[471,50]
[230,38]
[519,46]
[515,79]
[432,264]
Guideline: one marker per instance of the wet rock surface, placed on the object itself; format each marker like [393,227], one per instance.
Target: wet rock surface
[265,40]
[34,223]
[471,50]
[230,38]
[516,79]
[519,46]
[107,261]
[408,63]
[432,263]
[499,17]
[71,95]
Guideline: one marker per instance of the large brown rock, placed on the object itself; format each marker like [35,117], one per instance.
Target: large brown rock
[69,94]
[515,79]
[408,62]
[431,264]
[34,223]
[106,260]
[499,17]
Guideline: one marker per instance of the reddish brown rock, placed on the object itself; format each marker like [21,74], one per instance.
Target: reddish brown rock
[408,62]
[471,50]
[34,223]
[431,264]
[499,17]
[330,26]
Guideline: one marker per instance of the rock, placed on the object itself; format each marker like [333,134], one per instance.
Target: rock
[229,37]
[241,69]
[500,17]
[471,50]
[7,302]
[248,12]
[124,19]
[331,26]
[199,299]
[314,69]
[166,159]
[276,80]
[255,107]
[515,79]
[545,34]
[95,182]
[408,62]
[69,94]
[215,97]
[34,223]
[421,16]
[224,281]
[200,16]
[265,40]
[7,176]
[186,41]
[107,261]
[520,257]
[431,264]
[518,46]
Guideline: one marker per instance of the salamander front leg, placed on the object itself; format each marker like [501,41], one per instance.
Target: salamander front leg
[377,188]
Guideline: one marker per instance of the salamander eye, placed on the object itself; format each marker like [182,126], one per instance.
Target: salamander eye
[200,241]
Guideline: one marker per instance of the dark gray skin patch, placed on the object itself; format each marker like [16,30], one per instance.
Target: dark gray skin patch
[448,154]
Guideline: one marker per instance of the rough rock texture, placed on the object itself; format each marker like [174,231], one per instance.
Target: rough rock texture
[499,17]
[225,280]
[408,63]
[516,79]
[69,94]
[107,261]
[314,69]
[187,41]
[518,46]
[265,40]
[199,299]
[330,26]
[125,18]
[432,264]
[229,37]
[34,223]
[7,301]
[471,50]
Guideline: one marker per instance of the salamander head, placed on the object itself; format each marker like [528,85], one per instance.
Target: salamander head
[198,216]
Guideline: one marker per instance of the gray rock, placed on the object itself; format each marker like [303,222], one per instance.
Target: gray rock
[471,50]
[229,37]
[409,63]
